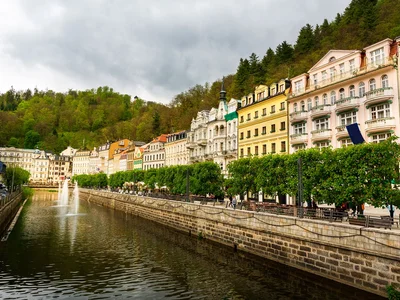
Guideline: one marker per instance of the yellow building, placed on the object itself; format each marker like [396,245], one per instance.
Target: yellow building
[263,121]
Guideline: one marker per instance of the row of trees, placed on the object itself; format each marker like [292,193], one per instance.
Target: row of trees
[359,174]
[204,178]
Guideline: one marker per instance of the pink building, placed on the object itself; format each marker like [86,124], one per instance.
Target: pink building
[343,88]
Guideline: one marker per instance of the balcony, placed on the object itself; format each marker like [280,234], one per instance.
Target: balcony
[347,103]
[378,95]
[190,145]
[298,138]
[298,116]
[380,124]
[202,142]
[341,131]
[321,134]
[320,110]
[231,153]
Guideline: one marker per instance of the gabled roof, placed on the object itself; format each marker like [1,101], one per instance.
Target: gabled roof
[162,138]
[337,54]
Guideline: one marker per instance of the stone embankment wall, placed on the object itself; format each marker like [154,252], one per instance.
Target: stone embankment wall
[8,212]
[366,258]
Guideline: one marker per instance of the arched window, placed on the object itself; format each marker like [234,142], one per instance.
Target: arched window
[333,97]
[302,106]
[361,89]
[385,81]
[316,101]
[372,84]
[341,93]
[325,99]
[295,107]
[352,91]
[309,104]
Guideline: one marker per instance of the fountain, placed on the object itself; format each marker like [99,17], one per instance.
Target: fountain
[64,194]
[59,191]
[75,203]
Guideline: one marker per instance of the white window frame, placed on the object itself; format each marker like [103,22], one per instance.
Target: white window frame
[377,57]
[321,124]
[299,128]
[348,118]
[380,111]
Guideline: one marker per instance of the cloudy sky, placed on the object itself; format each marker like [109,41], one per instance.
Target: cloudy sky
[154,49]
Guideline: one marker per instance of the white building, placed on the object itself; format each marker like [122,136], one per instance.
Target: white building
[23,158]
[176,152]
[94,162]
[154,154]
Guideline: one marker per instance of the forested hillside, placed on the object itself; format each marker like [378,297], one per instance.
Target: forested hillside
[52,120]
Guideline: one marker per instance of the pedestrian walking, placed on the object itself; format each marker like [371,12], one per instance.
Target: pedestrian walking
[234,202]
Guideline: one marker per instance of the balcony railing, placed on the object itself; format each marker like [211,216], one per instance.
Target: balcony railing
[298,116]
[321,134]
[202,142]
[380,124]
[320,110]
[378,95]
[346,103]
[343,76]
[298,138]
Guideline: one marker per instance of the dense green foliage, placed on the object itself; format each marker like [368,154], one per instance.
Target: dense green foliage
[204,178]
[354,174]
[52,121]
[15,177]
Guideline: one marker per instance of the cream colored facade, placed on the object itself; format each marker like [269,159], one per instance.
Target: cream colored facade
[346,87]
[263,121]
[94,162]
[176,152]
[23,158]
[59,167]
[81,162]
[197,137]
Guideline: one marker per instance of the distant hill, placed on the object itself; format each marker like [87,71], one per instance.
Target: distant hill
[52,121]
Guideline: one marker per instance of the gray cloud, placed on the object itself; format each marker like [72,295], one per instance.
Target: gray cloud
[154,49]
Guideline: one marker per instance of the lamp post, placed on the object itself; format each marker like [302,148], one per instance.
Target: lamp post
[300,186]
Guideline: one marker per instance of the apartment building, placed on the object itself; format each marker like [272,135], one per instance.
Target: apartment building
[346,87]
[176,152]
[262,118]
[154,154]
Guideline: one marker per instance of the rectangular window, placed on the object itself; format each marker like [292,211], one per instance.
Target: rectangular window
[248,151]
[345,143]
[282,106]
[248,133]
[248,117]
[272,109]
[299,147]
[377,57]
[241,152]
[348,118]
[341,70]
[260,96]
[273,148]
[264,112]
[298,86]
[332,72]
[321,124]
[380,111]
[283,146]
[352,65]
[299,128]
[256,114]
[283,126]
[272,128]
[256,150]
[241,119]
[264,130]
[264,149]
[241,135]
[272,91]
[377,138]
[315,79]
[282,88]
[321,145]
[256,132]
[324,74]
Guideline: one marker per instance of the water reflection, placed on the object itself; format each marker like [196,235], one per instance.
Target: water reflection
[108,254]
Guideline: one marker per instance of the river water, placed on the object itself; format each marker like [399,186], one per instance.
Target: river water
[106,254]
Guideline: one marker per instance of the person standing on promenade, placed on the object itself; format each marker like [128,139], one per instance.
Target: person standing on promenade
[234,202]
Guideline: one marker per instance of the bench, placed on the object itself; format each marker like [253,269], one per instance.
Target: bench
[394,222]
[358,222]
[376,222]
[335,215]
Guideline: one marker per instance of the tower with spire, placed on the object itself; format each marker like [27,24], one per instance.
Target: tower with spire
[222,93]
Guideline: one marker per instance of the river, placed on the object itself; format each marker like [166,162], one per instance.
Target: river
[106,254]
